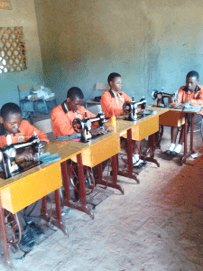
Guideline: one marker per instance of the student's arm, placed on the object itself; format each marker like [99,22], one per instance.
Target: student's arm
[61,125]
[91,115]
[108,106]
[180,96]
[199,100]
[126,98]
[29,130]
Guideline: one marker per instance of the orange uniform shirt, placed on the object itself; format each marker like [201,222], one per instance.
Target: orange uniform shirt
[62,119]
[26,130]
[196,96]
[112,105]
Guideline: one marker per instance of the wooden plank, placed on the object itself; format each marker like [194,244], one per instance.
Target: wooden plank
[31,188]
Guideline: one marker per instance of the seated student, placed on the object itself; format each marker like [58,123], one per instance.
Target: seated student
[112,101]
[191,94]
[15,130]
[63,115]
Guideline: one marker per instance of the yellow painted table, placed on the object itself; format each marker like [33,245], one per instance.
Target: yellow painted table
[19,191]
[100,149]
[177,118]
[171,117]
[138,130]
[143,127]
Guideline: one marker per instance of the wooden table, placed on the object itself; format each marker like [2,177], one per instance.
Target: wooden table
[177,118]
[138,130]
[93,154]
[19,191]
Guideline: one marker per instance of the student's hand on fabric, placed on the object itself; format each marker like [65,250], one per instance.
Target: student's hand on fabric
[171,100]
[26,155]
[99,131]
[188,102]
[104,130]
[42,144]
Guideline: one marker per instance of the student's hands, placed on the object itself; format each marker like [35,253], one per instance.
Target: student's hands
[26,155]
[39,148]
[187,102]
[43,144]
[99,131]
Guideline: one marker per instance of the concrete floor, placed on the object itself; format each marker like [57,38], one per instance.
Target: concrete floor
[156,225]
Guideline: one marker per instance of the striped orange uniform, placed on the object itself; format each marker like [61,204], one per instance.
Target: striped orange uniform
[112,105]
[62,119]
[196,96]
[26,131]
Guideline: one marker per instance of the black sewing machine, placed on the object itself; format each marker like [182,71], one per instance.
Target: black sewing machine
[9,152]
[131,108]
[160,95]
[84,126]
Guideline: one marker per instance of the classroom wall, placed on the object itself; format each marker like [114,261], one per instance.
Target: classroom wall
[22,14]
[152,43]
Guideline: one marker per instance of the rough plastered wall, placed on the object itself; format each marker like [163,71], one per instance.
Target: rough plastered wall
[151,43]
[22,14]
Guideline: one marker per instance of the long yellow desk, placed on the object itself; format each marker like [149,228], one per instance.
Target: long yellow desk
[93,154]
[23,189]
[137,130]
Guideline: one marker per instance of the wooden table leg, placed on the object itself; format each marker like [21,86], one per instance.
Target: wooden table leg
[150,151]
[191,133]
[113,180]
[81,206]
[129,172]
[187,154]
[64,170]
[58,222]
[4,237]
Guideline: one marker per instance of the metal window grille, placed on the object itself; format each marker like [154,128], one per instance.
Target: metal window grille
[12,49]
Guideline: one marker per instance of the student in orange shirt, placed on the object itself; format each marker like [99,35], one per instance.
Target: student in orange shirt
[191,94]
[15,130]
[112,101]
[63,115]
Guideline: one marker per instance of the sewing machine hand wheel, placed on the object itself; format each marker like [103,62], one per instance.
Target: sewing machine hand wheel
[77,125]
[127,107]
[154,94]
[88,179]
[143,105]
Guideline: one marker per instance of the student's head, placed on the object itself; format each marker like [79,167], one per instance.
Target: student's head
[192,80]
[115,81]
[11,117]
[74,98]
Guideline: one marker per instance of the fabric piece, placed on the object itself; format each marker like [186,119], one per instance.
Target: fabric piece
[47,158]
